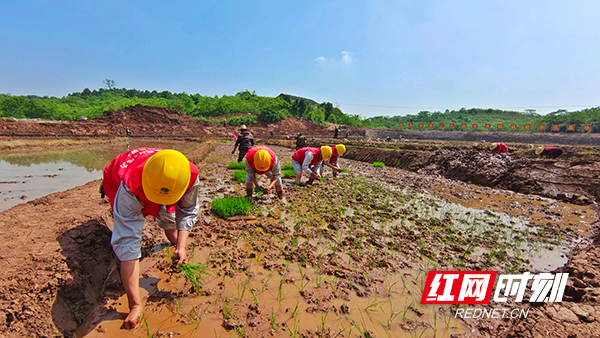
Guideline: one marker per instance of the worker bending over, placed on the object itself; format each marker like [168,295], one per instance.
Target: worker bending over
[262,160]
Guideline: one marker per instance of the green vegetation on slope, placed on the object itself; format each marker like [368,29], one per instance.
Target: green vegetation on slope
[90,104]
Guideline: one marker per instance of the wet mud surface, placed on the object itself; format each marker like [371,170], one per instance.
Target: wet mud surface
[345,257]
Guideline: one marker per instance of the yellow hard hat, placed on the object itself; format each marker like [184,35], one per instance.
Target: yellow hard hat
[262,160]
[341,149]
[326,152]
[166,176]
[539,150]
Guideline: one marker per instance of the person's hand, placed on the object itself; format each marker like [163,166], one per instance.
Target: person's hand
[180,256]
[233,152]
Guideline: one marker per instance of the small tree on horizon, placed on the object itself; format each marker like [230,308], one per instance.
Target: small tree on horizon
[110,84]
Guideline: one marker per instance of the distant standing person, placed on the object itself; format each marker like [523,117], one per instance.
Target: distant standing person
[245,141]
[498,148]
[127,132]
[308,161]
[262,160]
[552,152]
[335,132]
[272,134]
[348,133]
[224,122]
[300,141]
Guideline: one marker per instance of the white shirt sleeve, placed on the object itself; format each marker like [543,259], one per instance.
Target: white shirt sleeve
[276,170]
[187,209]
[308,157]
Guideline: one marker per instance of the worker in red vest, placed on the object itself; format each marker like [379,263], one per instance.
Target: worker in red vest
[262,160]
[332,162]
[149,181]
[308,160]
[553,152]
[498,148]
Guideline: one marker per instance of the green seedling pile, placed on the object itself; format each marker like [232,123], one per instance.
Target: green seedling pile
[344,170]
[231,206]
[379,164]
[287,166]
[237,165]
[239,175]
[289,173]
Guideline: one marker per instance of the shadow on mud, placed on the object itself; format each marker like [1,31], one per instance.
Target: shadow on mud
[89,256]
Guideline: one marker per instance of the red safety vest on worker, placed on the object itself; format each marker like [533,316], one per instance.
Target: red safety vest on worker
[250,157]
[334,155]
[501,148]
[301,153]
[128,168]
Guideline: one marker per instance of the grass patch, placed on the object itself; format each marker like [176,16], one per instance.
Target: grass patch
[259,192]
[379,164]
[231,206]
[239,175]
[237,165]
[344,170]
[322,179]
[193,273]
[288,173]
[287,166]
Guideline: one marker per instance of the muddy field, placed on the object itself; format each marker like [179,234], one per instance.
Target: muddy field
[346,257]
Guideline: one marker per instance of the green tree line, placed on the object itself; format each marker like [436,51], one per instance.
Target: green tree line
[91,103]
[494,117]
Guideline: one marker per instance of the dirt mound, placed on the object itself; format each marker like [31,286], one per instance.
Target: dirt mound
[139,114]
[152,121]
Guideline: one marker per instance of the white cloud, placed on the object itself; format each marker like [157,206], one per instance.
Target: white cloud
[346,58]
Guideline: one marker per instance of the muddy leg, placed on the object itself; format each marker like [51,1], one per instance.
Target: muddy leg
[249,192]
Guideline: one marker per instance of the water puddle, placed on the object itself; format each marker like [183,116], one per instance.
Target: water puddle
[24,177]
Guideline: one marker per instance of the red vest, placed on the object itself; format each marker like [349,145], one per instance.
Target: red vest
[128,168]
[301,153]
[501,148]
[250,157]
[334,155]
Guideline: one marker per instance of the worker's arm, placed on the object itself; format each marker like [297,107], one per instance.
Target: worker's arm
[308,157]
[275,174]
[251,175]
[186,215]
[237,142]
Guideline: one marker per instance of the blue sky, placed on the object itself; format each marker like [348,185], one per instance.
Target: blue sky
[368,57]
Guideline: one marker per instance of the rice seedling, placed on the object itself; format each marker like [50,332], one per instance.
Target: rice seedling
[193,273]
[344,170]
[287,166]
[289,173]
[239,175]
[237,165]
[231,206]
[379,164]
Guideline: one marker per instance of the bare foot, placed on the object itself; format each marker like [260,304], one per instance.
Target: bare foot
[133,319]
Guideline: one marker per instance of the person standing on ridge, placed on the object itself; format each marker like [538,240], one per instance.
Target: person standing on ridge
[308,160]
[262,160]
[335,132]
[498,148]
[332,162]
[245,141]
[224,122]
[300,141]
[149,181]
